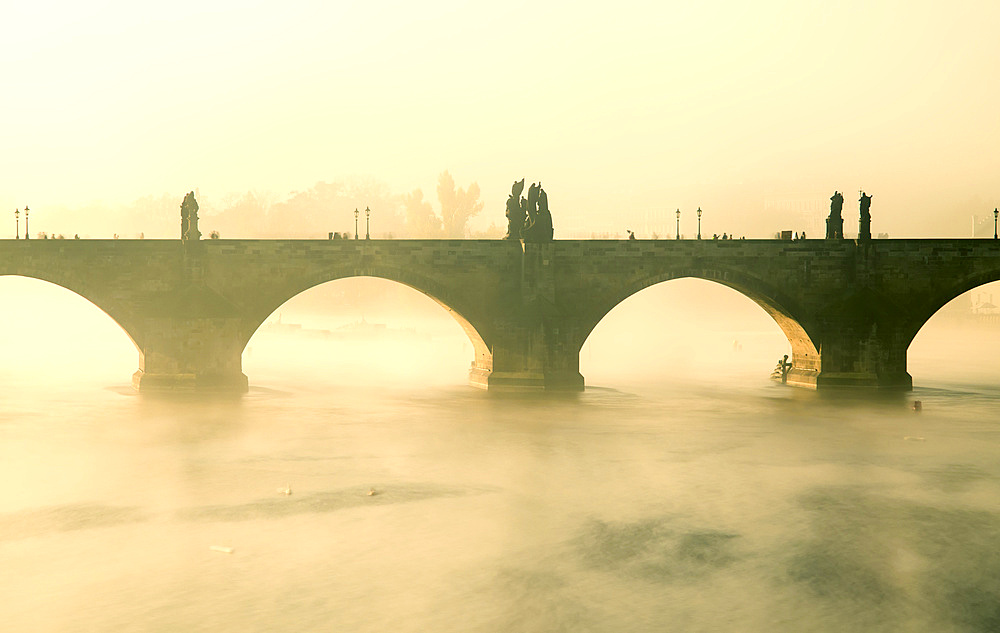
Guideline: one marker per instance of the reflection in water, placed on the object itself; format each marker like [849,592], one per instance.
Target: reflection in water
[663,501]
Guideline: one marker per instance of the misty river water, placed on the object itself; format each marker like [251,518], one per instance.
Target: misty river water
[703,499]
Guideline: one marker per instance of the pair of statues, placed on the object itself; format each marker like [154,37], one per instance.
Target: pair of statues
[528,218]
[835,223]
[189,218]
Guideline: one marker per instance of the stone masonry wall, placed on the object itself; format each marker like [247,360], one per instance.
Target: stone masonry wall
[849,309]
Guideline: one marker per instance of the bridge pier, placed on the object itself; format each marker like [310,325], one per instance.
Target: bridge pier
[856,355]
[191,354]
[531,346]
[530,362]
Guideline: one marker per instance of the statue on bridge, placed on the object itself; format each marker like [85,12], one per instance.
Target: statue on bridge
[189,218]
[835,223]
[780,372]
[516,211]
[538,227]
[865,222]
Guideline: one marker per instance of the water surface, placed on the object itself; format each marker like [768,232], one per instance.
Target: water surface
[682,491]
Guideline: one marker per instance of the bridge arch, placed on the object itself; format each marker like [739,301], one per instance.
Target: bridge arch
[931,304]
[119,316]
[51,328]
[436,292]
[960,342]
[772,302]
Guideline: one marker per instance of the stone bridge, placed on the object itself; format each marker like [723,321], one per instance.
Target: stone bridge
[848,309]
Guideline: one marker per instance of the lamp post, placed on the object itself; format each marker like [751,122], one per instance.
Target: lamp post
[17,224]
[995,213]
[355,224]
[26,234]
[368,214]
[699,223]
[677,234]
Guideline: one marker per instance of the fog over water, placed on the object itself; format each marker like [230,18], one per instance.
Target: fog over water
[683,490]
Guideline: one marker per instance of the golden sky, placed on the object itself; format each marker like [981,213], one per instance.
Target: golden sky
[627,105]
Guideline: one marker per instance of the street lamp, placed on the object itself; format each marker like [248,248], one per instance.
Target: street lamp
[699,223]
[17,224]
[26,234]
[995,213]
[355,224]
[677,236]
[368,214]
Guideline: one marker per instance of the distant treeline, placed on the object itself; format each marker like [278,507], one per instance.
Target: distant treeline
[325,208]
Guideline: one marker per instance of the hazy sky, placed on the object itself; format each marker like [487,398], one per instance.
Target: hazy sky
[622,107]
